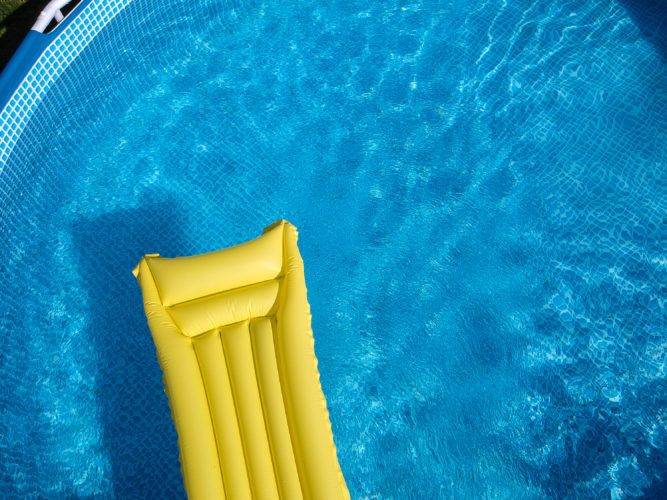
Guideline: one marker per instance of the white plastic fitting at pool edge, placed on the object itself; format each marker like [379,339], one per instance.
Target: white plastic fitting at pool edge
[50,12]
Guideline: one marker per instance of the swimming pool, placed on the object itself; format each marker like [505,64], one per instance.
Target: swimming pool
[495,325]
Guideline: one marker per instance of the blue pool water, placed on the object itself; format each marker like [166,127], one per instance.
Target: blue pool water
[480,193]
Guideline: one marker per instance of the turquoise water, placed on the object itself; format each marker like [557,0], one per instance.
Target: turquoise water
[480,194]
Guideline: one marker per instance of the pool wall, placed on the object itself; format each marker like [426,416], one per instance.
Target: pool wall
[40,60]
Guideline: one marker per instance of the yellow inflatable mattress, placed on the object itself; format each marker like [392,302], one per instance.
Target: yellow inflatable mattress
[233,337]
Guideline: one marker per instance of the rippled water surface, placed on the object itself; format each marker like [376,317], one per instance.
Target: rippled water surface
[480,193]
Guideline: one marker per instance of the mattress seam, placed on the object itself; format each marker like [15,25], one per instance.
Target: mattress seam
[210,413]
[236,410]
[261,401]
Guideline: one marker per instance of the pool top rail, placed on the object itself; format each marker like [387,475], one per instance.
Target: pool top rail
[53,14]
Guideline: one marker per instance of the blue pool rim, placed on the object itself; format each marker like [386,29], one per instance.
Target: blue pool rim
[26,55]
[32,46]
[40,60]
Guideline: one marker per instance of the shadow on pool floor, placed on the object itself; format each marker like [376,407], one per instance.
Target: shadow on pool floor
[650,16]
[138,431]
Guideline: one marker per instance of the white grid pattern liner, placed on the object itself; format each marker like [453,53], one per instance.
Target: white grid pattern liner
[49,66]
